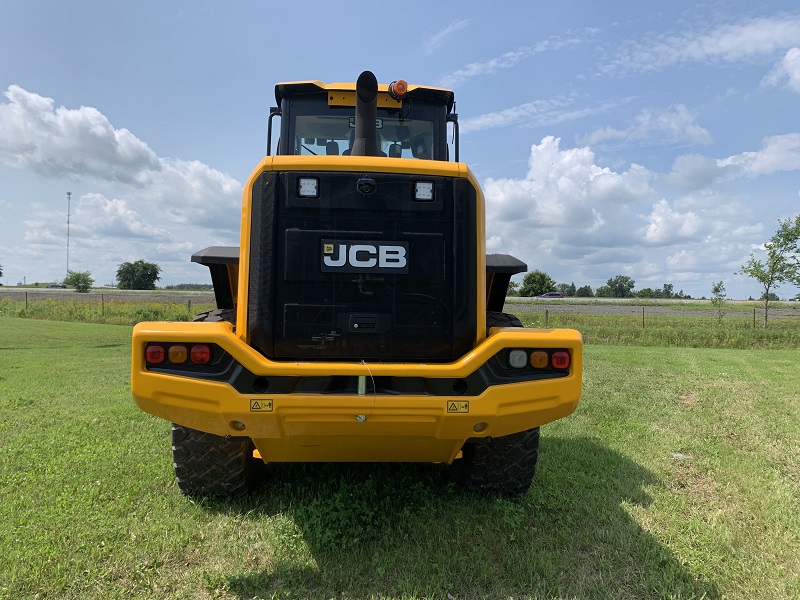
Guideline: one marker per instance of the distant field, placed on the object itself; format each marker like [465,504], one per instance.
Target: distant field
[677,477]
[692,323]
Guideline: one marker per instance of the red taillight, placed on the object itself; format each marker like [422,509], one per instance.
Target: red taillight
[200,354]
[560,360]
[155,354]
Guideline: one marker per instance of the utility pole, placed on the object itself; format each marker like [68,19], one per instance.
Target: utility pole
[69,202]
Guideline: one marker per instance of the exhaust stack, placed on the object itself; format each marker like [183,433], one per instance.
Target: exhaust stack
[365,142]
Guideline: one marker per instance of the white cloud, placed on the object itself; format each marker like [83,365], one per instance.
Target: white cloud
[788,69]
[579,221]
[666,225]
[565,198]
[729,43]
[675,125]
[506,60]
[58,142]
[536,113]
[82,144]
[139,203]
[440,38]
[694,172]
[778,153]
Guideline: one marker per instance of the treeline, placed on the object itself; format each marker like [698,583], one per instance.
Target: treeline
[537,283]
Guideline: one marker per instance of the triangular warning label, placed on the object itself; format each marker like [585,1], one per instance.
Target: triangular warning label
[254,405]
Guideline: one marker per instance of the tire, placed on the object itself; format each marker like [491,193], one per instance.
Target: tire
[211,465]
[501,319]
[217,315]
[504,464]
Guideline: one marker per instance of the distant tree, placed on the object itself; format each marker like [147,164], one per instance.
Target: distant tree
[140,275]
[621,286]
[585,291]
[513,288]
[648,293]
[536,283]
[666,291]
[81,280]
[718,299]
[604,291]
[781,264]
[568,289]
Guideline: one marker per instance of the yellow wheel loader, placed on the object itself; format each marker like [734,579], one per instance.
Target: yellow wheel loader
[360,319]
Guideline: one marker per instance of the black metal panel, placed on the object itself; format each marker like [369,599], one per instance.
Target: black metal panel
[217,259]
[405,285]
[500,267]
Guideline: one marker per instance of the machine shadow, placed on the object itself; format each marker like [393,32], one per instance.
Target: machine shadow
[406,530]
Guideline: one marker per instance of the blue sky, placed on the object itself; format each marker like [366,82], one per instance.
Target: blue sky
[655,140]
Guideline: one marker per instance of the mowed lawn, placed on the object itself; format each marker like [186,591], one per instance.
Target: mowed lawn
[677,477]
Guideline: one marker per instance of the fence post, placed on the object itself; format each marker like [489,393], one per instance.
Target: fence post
[189,306]
[643,317]
[546,317]
[26,300]
[103,305]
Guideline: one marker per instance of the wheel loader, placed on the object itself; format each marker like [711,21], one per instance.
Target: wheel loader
[360,319]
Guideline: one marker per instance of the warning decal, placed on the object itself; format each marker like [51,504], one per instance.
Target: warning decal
[263,405]
[457,406]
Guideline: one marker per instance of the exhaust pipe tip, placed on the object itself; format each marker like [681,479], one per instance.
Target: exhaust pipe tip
[365,141]
[367,87]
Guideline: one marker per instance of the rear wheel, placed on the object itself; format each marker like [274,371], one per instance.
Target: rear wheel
[501,319]
[212,465]
[499,464]
[216,315]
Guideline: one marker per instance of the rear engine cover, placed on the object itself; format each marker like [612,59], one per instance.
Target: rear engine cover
[353,276]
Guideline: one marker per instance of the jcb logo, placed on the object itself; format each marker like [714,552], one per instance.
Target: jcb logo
[348,256]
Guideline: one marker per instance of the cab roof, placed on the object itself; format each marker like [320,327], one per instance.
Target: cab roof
[285,89]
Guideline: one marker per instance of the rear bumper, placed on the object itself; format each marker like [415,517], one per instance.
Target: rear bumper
[303,426]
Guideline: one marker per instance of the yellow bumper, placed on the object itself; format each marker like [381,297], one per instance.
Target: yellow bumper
[300,427]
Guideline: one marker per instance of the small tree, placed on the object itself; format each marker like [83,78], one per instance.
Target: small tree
[621,286]
[585,291]
[781,263]
[718,296]
[536,283]
[81,280]
[140,275]
[513,288]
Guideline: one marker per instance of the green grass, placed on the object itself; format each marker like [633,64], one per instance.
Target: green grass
[113,312]
[677,477]
[690,331]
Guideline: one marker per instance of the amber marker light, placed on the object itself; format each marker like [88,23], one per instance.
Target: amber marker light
[177,354]
[398,89]
[539,359]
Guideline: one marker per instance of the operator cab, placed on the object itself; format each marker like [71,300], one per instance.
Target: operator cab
[318,119]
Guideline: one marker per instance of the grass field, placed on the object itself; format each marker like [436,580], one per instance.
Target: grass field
[678,477]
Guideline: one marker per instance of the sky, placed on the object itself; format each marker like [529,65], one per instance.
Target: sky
[656,140]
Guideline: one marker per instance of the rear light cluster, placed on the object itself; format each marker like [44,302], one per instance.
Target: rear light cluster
[177,354]
[539,359]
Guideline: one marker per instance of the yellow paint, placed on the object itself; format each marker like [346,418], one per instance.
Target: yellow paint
[314,427]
